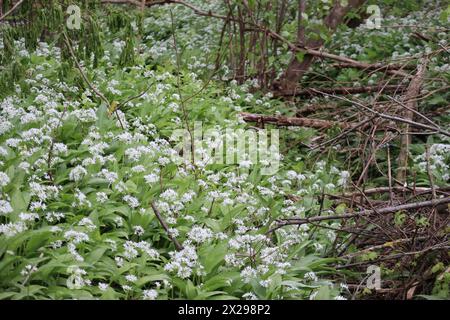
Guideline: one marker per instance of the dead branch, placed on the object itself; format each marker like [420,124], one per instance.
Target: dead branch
[83,74]
[389,244]
[133,2]
[375,66]
[396,189]
[341,90]
[292,121]
[297,68]
[158,215]
[322,54]
[443,246]
[344,133]
[429,172]
[7,13]
[314,108]
[386,210]
[391,117]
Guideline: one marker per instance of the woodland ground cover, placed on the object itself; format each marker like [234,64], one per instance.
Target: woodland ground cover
[93,205]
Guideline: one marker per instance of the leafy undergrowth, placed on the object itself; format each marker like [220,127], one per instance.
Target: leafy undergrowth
[76,187]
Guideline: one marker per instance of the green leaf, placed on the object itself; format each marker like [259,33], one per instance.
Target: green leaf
[437,100]
[212,256]
[96,255]
[20,200]
[6,295]
[323,293]
[152,278]
[340,209]
[191,290]
[300,55]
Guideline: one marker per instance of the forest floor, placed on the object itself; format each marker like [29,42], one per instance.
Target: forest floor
[99,199]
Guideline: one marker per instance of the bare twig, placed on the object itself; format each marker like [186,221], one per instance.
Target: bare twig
[389,244]
[442,246]
[343,134]
[390,117]
[342,90]
[396,189]
[85,78]
[7,13]
[391,193]
[182,101]
[386,210]
[292,121]
[158,215]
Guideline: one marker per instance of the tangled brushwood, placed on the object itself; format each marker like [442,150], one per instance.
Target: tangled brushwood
[98,200]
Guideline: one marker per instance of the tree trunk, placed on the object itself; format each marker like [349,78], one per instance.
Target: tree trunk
[240,74]
[295,70]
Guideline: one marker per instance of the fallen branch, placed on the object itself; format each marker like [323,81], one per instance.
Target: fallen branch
[322,54]
[386,210]
[134,2]
[395,189]
[413,111]
[356,64]
[341,90]
[292,121]
[7,13]
[390,117]
[396,256]
[158,215]
[314,108]
[344,133]
[389,244]
[375,66]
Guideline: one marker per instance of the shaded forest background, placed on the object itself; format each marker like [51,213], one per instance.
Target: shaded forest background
[358,90]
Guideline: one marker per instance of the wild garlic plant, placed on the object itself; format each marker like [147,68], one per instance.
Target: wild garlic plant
[76,184]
